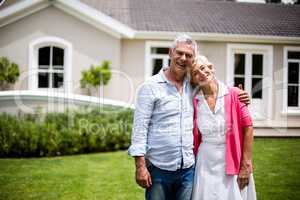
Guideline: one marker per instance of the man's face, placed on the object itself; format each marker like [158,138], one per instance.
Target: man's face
[182,57]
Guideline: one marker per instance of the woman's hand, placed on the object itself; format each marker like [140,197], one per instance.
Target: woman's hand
[244,174]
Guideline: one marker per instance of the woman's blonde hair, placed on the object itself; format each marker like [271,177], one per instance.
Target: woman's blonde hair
[202,60]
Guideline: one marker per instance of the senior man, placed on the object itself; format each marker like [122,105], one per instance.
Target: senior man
[162,137]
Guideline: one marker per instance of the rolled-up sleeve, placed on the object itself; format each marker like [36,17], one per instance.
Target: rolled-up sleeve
[142,115]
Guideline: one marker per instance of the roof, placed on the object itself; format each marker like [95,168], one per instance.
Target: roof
[210,20]
[203,16]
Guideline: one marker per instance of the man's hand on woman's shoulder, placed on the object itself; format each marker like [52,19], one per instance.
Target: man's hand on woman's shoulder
[243,95]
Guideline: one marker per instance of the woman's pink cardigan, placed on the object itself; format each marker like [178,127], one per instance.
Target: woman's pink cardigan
[237,117]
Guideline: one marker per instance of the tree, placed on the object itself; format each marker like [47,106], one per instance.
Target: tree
[9,73]
[95,76]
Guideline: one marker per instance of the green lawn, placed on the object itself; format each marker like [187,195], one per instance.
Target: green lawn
[277,168]
[111,175]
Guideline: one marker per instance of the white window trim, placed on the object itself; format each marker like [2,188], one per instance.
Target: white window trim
[266,81]
[285,109]
[148,57]
[33,62]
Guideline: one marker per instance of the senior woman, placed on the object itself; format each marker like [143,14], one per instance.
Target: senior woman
[224,158]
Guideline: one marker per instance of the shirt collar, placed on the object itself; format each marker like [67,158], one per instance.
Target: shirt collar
[161,78]
[223,89]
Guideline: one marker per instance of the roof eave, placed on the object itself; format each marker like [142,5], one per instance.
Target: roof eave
[20,10]
[219,37]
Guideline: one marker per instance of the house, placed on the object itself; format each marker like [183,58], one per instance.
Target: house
[256,44]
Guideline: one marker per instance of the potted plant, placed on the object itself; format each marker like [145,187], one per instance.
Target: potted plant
[9,73]
[95,76]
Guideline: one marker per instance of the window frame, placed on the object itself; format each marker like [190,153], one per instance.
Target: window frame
[34,47]
[267,50]
[286,110]
[149,56]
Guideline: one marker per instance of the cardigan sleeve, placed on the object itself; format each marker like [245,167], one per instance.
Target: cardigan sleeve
[246,119]
[245,115]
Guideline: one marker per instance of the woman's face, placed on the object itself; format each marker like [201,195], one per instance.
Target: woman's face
[202,73]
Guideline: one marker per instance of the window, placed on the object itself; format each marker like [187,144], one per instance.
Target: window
[251,79]
[292,79]
[157,56]
[239,69]
[160,58]
[251,66]
[50,67]
[50,60]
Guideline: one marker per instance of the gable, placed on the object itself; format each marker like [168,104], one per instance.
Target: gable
[75,8]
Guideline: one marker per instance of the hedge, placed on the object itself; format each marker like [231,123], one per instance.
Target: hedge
[70,132]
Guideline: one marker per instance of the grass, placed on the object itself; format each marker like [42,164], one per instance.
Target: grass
[277,168]
[110,176]
[104,176]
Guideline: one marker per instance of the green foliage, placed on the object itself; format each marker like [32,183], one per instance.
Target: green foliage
[96,75]
[9,72]
[65,133]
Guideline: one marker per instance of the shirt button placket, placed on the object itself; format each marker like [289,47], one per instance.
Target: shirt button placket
[181,129]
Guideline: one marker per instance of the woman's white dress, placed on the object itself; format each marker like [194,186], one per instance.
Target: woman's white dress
[211,181]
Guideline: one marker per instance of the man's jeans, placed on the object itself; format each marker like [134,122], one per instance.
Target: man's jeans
[170,185]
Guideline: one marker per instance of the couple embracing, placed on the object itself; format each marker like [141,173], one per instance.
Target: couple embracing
[192,135]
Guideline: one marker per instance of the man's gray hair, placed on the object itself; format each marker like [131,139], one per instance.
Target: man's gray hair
[184,38]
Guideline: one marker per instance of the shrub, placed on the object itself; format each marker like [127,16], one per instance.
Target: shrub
[71,132]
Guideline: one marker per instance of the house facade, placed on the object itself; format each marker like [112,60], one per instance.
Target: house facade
[255,44]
